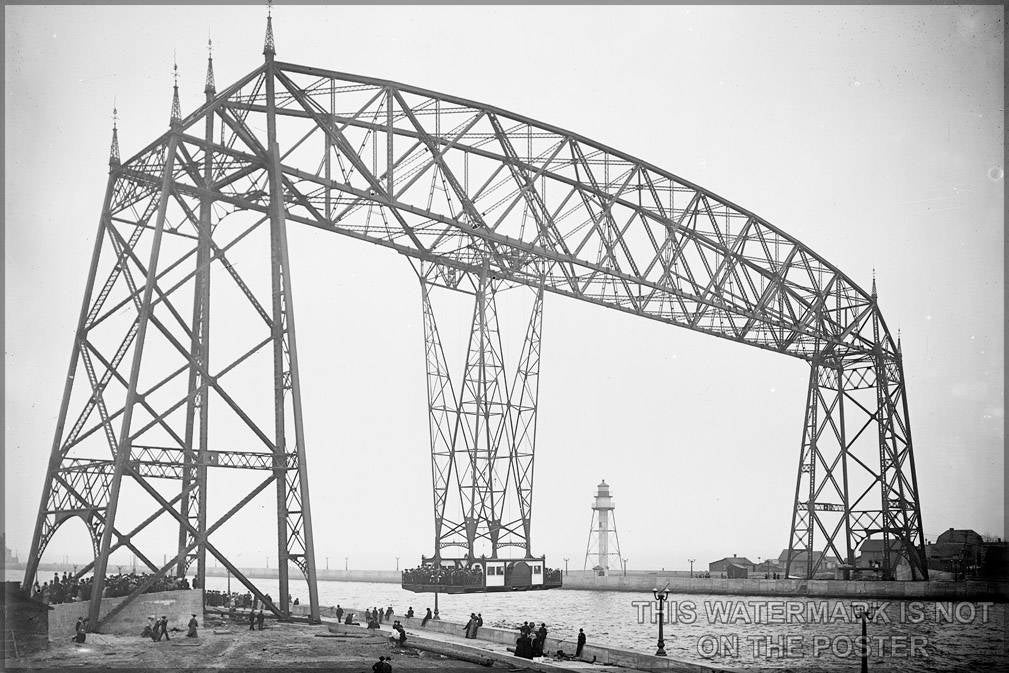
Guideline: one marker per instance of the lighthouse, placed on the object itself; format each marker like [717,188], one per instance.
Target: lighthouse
[603,548]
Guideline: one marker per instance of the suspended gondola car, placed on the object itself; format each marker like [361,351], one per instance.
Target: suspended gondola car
[479,575]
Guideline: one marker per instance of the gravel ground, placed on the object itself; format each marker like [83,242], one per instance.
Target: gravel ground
[289,646]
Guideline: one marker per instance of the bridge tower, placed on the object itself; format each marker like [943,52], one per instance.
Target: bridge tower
[603,547]
[479,200]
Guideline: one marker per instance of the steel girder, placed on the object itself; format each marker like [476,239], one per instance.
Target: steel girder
[482,431]
[480,196]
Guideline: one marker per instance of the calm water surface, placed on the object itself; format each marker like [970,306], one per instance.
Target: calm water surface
[717,630]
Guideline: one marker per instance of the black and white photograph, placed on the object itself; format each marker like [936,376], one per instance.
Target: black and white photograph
[419,337]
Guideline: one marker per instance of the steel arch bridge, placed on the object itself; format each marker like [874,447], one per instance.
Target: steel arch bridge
[480,200]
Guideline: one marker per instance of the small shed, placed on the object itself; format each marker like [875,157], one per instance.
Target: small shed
[25,622]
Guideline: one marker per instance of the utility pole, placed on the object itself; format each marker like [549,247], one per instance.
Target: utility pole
[346,563]
[327,563]
[691,566]
[397,564]
[566,559]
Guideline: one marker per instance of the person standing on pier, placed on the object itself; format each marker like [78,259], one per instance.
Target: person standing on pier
[470,628]
[192,627]
[581,643]
[541,639]
[523,645]
[339,613]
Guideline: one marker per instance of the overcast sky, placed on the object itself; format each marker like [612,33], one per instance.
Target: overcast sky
[873,134]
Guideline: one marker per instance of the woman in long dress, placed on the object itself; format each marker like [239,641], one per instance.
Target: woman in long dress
[192,627]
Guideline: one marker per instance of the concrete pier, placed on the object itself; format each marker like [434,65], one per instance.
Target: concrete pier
[494,642]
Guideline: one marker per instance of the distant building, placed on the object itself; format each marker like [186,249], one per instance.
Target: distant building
[871,554]
[827,564]
[826,561]
[960,536]
[736,571]
[721,565]
[10,559]
[964,553]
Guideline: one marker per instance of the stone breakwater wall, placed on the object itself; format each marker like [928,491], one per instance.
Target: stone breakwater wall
[940,591]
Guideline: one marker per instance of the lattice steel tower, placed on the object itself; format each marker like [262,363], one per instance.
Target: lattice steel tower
[603,546]
[163,395]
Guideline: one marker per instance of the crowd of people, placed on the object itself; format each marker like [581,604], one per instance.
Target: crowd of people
[472,576]
[68,588]
[431,574]
[530,643]
[475,622]
[223,599]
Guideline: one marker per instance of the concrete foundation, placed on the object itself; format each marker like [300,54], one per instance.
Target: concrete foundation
[178,606]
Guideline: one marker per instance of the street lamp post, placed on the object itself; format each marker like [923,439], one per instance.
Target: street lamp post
[346,563]
[864,644]
[660,596]
[691,566]
[566,559]
[397,564]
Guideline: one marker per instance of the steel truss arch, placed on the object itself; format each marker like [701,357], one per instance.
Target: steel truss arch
[483,198]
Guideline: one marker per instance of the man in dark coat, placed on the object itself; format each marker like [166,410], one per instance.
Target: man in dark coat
[79,632]
[339,613]
[540,641]
[524,646]
[260,619]
[581,643]
[427,618]
[164,627]
[252,620]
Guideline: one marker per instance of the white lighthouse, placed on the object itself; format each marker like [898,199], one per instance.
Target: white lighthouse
[603,547]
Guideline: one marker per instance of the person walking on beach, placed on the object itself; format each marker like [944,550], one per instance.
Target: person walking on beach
[581,643]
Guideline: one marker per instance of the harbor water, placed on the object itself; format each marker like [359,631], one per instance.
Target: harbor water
[717,630]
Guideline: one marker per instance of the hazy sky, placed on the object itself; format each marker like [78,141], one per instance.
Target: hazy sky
[873,134]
